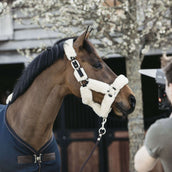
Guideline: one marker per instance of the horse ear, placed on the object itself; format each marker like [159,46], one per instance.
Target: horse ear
[88,33]
[80,40]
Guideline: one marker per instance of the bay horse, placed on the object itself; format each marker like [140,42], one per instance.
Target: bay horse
[26,122]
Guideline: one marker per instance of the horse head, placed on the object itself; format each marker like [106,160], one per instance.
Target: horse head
[90,77]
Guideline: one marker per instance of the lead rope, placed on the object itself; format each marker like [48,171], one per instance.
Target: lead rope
[102,131]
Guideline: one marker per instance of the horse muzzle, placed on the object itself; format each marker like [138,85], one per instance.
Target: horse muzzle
[123,110]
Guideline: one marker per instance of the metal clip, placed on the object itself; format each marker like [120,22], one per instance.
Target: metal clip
[38,158]
[102,129]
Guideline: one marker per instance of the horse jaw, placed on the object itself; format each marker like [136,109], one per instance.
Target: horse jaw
[119,108]
[98,97]
[118,111]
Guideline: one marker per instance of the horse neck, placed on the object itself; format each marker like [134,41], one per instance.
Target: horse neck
[32,115]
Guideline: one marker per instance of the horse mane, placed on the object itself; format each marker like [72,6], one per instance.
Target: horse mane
[40,63]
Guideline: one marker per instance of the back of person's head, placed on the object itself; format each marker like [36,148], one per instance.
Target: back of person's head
[166,64]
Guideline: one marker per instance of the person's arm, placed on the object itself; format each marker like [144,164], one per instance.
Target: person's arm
[143,162]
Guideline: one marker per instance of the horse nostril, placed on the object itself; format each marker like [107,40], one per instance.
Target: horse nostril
[132,101]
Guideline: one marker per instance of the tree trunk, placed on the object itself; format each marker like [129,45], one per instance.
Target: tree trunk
[135,120]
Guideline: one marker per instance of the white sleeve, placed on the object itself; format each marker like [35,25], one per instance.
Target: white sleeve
[143,162]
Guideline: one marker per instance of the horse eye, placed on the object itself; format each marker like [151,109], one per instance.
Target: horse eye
[97,65]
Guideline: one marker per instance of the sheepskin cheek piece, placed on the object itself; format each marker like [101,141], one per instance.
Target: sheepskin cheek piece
[110,91]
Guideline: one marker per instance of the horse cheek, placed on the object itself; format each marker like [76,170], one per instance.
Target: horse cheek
[73,85]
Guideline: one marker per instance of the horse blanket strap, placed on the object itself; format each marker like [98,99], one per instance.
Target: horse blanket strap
[28,159]
[88,85]
[21,156]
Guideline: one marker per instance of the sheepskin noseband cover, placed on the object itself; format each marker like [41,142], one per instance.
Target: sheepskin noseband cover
[110,91]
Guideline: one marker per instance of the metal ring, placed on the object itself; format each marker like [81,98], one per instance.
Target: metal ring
[102,131]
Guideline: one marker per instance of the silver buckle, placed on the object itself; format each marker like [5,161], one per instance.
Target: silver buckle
[38,158]
[75,64]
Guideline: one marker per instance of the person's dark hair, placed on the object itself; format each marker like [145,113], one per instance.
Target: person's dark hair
[168,72]
[166,64]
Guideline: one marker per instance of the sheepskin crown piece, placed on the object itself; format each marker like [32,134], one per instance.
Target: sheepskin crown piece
[110,91]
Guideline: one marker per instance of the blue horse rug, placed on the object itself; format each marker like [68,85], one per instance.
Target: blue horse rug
[17,156]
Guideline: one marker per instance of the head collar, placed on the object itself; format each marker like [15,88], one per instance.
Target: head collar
[88,85]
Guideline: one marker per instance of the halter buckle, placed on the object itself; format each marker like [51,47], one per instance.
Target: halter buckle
[84,83]
[75,64]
